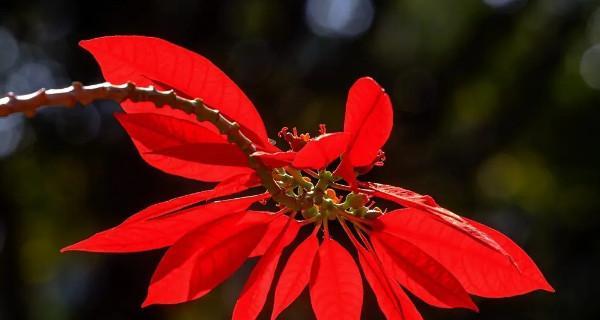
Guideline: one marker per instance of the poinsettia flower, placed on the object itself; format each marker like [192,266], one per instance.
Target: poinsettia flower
[419,247]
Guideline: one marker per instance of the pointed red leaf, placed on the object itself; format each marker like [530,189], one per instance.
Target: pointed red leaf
[529,270]
[346,171]
[182,148]
[226,187]
[336,290]
[426,203]
[318,153]
[203,259]
[272,234]
[480,269]
[392,300]
[221,154]
[255,291]
[369,119]
[419,273]
[145,60]
[154,232]
[295,275]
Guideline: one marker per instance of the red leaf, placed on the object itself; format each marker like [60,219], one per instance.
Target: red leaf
[335,286]
[150,232]
[369,120]
[529,270]
[392,300]
[202,259]
[427,204]
[272,234]
[255,291]
[221,154]
[419,273]
[318,153]
[226,187]
[182,148]
[346,171]
[480,269]
[295,275]
[144,59]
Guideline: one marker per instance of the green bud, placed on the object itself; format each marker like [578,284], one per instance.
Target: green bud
[360,212]
[325,177]
[356,200]
[310,212]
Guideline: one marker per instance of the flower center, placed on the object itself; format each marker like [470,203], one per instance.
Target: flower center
[295,140]
[320,200]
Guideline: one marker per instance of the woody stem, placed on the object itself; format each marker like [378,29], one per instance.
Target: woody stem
[77,93]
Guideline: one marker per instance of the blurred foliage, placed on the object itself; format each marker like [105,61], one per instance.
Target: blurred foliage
[496,107]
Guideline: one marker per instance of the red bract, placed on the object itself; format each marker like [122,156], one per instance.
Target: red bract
[437,255]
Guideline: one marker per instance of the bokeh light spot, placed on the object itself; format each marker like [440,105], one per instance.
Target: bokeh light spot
[589,68]
[339,18]
[11,133]
[502,3]
[9,50]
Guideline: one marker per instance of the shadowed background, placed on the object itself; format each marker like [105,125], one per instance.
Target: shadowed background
[496,115]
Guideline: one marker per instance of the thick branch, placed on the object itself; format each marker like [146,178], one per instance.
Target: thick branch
[77,93]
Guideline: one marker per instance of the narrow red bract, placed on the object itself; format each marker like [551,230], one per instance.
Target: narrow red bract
[296,274]
[419,273]
[392,300]
[435,254]
[335,286]
[254,294]
[202,259]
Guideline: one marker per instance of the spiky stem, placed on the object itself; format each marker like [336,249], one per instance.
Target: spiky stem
[77,93]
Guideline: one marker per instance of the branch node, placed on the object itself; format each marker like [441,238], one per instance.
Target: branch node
[129,86]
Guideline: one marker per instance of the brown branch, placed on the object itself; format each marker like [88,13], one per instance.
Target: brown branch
[77,93]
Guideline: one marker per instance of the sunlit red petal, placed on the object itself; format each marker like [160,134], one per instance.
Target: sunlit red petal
[144,59]
[427,204]
[272,234]
[336,290]
[295,275]
[226,187]
[177,146]
[416,271]
[202,259]
[530,277]
[346,171]
[160,230]
[480,269]
[318,153]
[369,119]
[392,300]
[255,291]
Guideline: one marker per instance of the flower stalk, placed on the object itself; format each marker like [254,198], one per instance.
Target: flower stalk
[29,104]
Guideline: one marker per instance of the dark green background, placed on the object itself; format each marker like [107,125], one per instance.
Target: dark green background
[495,116]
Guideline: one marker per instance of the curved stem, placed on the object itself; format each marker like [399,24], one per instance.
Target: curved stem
[77,93]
